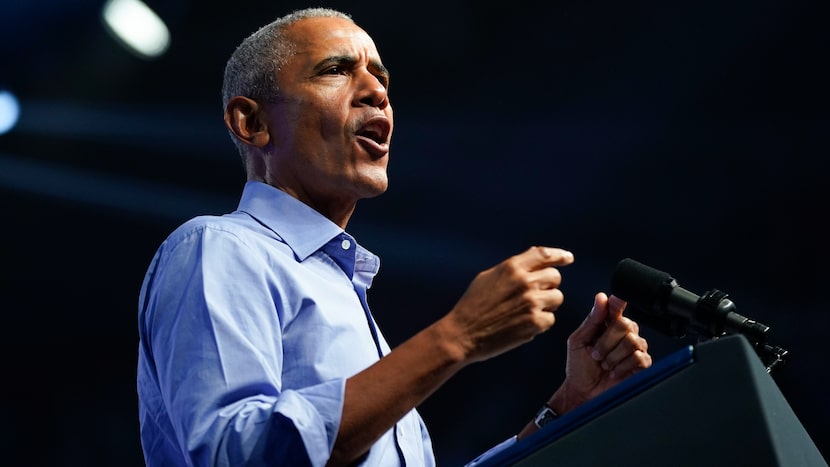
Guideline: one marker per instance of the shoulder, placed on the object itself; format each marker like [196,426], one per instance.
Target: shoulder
[214,246]
[236,226]
[234,237]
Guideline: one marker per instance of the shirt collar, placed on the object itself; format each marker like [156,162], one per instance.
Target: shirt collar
[302,228]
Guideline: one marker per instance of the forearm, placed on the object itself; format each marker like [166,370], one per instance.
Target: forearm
[504,307]
[377,397]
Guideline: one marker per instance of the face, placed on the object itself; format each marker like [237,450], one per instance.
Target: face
[331,126]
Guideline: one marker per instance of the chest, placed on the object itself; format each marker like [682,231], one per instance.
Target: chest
[326,328]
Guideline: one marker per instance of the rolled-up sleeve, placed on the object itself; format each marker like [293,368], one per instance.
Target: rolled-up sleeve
[214,338]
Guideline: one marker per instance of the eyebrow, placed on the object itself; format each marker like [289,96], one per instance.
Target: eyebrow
[380,68]
[349,60]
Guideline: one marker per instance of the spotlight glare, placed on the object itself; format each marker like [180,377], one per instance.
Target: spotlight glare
[9,111]
[137,27]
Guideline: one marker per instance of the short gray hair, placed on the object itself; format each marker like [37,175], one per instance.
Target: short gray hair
[252,68]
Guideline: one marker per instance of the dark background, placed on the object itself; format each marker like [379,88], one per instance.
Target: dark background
[692,137]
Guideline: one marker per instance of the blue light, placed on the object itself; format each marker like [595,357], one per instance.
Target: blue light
[9,111]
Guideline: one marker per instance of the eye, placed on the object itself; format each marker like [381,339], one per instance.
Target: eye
[335,70]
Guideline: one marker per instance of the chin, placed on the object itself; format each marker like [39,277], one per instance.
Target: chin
[376,190]
[374,184]
[375,195]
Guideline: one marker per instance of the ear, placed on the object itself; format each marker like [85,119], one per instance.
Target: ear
[247,120]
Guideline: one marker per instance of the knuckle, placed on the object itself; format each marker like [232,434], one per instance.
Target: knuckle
[533,299]
[513,270]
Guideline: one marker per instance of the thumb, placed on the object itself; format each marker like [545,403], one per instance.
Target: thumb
[594,323]
[615,307]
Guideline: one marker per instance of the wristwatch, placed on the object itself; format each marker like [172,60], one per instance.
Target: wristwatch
[544,416]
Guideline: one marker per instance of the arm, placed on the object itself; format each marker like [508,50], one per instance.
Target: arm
[503,308]
[212,387]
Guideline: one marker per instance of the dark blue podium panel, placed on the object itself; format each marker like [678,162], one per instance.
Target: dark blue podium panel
[713,404]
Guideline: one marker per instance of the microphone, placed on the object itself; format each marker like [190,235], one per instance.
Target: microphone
[673,310]
[655,300]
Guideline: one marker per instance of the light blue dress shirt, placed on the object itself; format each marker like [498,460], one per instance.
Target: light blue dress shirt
[249,325]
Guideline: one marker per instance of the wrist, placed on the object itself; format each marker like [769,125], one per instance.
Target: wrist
[445,338]
[565,400]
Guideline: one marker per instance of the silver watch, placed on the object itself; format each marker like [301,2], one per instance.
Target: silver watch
[544,416]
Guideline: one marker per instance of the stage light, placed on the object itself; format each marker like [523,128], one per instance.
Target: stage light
[137,27]
[9,111]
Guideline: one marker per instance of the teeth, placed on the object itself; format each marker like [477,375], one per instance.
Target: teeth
[375,131]
[373,135]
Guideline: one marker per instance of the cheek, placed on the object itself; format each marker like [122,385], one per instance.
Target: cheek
[313,127]
[334,126]
[330,114]
[304,118]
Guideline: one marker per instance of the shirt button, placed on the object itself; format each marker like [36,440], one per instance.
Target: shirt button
[400,431]
[345,244]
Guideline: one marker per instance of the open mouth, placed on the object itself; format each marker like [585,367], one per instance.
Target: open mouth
[377,130]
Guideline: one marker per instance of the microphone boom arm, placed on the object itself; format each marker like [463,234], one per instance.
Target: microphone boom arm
[716,317]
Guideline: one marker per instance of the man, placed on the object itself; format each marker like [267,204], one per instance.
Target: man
[257,346]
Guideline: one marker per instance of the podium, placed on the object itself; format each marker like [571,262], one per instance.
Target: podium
[712,404]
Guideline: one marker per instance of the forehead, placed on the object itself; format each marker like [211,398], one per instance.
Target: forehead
[318,38]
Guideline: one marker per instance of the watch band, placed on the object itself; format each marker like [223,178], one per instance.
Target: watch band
[544,416]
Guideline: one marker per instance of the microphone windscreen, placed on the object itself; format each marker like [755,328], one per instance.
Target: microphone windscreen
[641,286]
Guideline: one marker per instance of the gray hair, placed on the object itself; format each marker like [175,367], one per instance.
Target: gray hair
[252,68]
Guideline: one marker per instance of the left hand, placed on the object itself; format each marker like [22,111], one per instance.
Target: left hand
[605,349]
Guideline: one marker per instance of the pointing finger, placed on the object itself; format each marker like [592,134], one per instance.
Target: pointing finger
[539,257]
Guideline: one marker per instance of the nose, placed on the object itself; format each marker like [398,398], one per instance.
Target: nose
[372,91]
